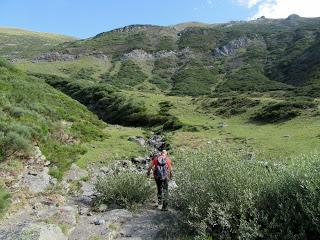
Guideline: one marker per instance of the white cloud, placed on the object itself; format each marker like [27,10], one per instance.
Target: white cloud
[283,8]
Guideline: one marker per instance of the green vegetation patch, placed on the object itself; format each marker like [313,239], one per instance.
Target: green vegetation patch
[4,200]
[129,75]
[229,106]
[194,79]
[281,111]
[222,192]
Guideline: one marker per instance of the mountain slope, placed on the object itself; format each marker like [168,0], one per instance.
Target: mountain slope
[18,43]
[277,54]
[34,113]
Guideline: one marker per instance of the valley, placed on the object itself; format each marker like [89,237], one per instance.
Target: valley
[237,106]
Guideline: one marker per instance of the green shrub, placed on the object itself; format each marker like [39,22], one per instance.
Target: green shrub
[282,111]
[124,189]
[4,197]
[229,106]
[11,143]
[225,196]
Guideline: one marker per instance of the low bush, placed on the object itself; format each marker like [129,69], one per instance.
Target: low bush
[14,138]
[4,197]
[281,111]
[224,196]
[125,189]
[229,106]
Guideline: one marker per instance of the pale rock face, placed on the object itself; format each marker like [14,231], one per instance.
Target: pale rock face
[38,182]
[137,55]
[231,48]
[34,231]
[75,173]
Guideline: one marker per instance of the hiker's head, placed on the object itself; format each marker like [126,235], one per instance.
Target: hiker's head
[164,153]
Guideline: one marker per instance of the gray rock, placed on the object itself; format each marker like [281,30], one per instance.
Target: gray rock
[139,160]
[138,139]
[99,222]
[59,215]
[87,189]
[33,231]
[55,56]
[231,48]
[117,215]
[47,163]
[138,55]
[38,182]
[75,173]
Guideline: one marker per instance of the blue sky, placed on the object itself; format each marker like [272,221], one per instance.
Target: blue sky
[85,18]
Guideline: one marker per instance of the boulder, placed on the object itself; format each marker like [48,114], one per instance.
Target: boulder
[138,139]
[38,182]
[75,173]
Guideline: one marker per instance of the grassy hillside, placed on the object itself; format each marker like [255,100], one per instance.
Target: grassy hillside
[34,113]
[17,43]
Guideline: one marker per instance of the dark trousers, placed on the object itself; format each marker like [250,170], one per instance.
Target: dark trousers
[162,186]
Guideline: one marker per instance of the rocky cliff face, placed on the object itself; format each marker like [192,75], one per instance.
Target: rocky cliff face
[231,48]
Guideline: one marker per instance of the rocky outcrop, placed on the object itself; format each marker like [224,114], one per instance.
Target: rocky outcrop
[134,27]
[55,56]
[137,55]
[231,48]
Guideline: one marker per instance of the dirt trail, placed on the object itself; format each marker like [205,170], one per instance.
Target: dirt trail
[72,218]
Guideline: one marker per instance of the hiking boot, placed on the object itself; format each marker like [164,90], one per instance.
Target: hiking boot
[164,207]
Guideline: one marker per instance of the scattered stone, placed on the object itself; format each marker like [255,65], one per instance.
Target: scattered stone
[222,125]
[33,173]
[139,160]
[99,222]
[84,211]
[47,163]
[53,181]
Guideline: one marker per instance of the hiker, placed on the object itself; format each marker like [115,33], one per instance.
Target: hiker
[162,173]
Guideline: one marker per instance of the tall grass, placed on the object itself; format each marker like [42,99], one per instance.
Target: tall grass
[226,196]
